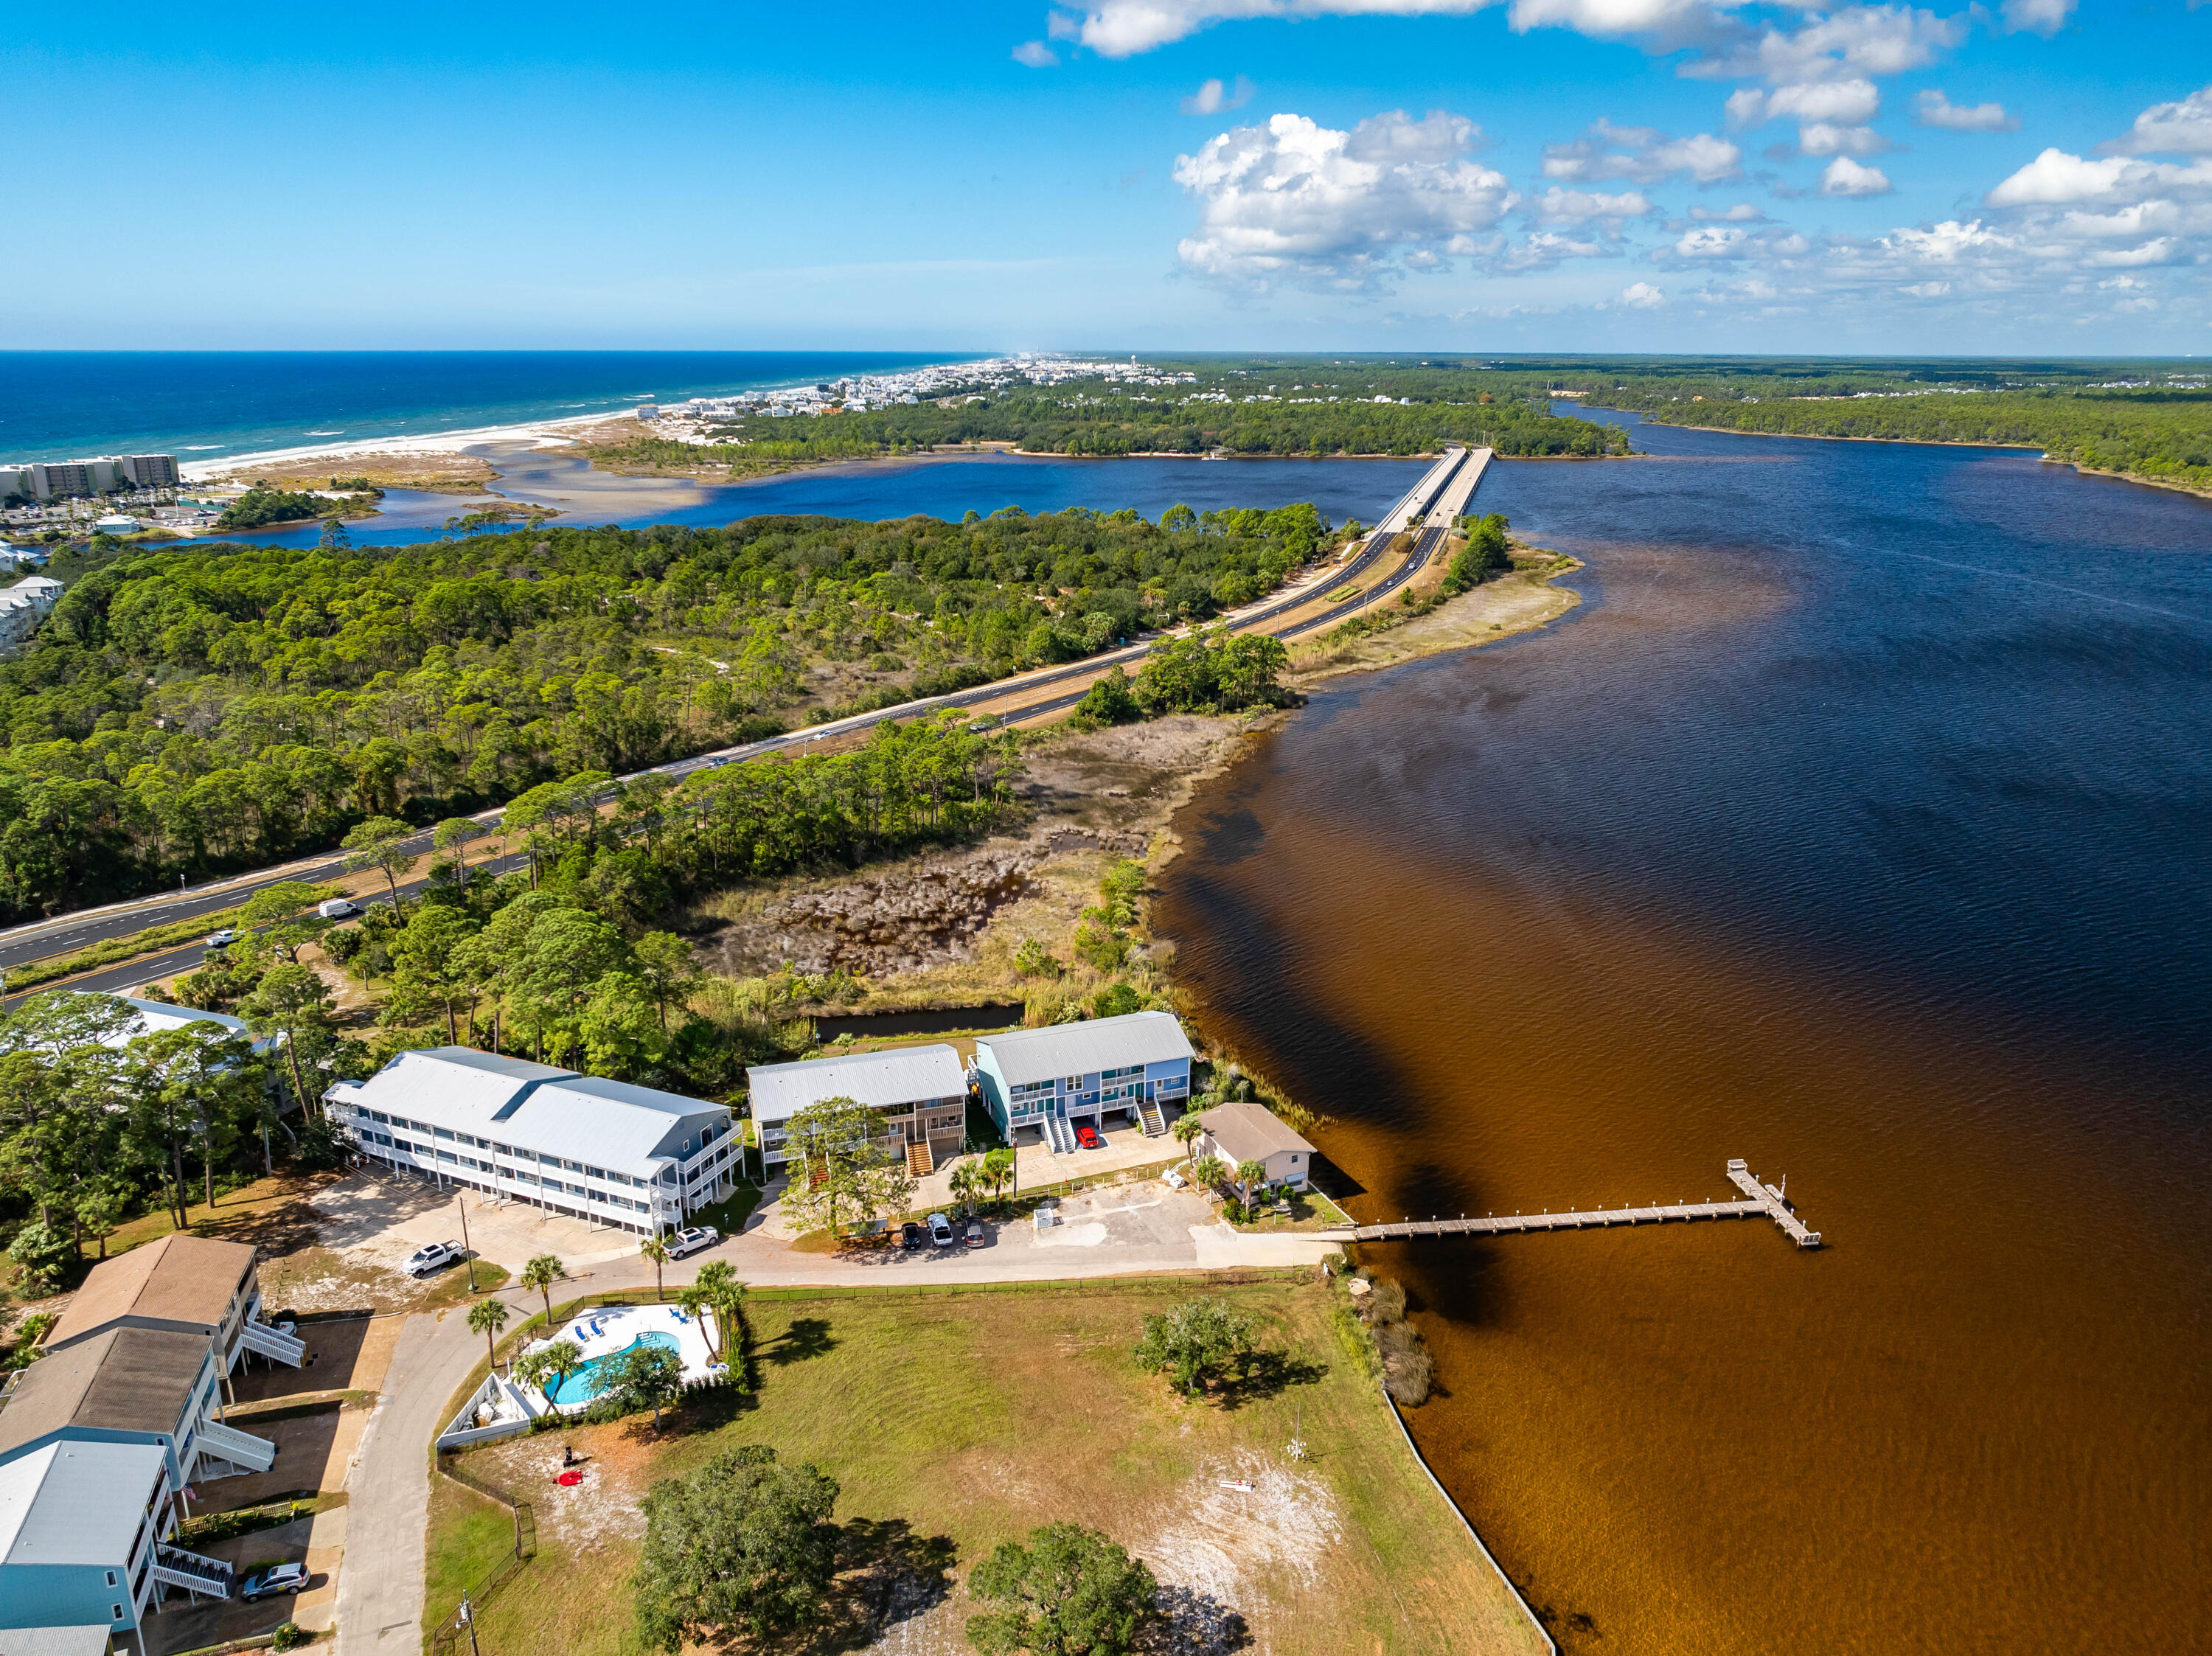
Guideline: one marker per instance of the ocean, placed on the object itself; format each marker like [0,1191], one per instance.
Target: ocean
[204,405]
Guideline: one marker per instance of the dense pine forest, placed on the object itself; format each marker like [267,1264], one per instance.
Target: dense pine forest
[2143,420]
[210,706]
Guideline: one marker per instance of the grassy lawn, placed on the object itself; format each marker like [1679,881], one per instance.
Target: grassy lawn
[1310,1211]
[955,1421]
[469,1533]
[728,1215]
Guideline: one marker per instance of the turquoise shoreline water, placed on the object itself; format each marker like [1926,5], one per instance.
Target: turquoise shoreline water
[205,405]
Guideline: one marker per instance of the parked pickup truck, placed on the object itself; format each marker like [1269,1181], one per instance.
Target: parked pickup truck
[433,1255]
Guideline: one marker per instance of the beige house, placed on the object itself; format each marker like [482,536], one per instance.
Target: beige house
[1245,1130]
[180,1284]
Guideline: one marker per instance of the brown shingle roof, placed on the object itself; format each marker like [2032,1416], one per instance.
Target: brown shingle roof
[126,1379]
[180,1279]
[1250,1131]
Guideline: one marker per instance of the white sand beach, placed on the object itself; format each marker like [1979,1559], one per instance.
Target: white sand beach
[536,433]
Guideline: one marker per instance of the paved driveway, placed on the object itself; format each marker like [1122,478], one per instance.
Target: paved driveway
[382,1221]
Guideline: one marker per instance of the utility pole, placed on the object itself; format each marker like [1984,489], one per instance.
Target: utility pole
[461,1201]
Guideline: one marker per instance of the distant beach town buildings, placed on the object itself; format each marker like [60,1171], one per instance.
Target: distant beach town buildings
[42,481]
[695,421]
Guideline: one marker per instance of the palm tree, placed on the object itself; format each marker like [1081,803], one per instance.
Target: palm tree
[999,1169]
[966,1182]
[694,1302]
[657,1250]
[727,1294]
[1252,1175]
[562,1358]
[1187,1128]
[550,1365]
[487,1317]
[539,1274]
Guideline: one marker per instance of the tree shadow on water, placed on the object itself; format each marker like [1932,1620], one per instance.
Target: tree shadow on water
[807,1336]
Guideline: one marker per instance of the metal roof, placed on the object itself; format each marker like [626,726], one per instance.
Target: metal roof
[77,1503]
[1073,1049]
[886,1080]
[629,1092]
[90,1640]
[532,1106]
[453,1086]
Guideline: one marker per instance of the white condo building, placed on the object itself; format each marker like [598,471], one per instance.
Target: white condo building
[607,1151]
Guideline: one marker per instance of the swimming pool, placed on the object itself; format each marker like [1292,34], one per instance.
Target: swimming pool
[587,1382]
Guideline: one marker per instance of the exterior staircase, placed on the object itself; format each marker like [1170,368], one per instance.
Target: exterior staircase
[1151,1118]
[226,1445]
[1059,1137]
[273,1343]
[198,1575]
[919,1161]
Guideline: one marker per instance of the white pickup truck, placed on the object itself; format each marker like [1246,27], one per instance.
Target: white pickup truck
[433,1256]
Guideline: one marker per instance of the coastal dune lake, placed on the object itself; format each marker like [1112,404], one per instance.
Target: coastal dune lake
[1858,824]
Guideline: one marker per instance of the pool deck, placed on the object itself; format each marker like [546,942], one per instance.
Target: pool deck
[606,1332]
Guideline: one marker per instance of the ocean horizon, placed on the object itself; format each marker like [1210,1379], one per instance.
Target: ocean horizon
[208,405]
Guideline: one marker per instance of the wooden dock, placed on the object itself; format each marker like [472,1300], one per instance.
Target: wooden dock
[1759,1200]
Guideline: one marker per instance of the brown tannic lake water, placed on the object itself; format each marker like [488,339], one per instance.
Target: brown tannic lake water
[1860,825]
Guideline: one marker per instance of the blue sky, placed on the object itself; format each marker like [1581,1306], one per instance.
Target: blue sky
[2028,176]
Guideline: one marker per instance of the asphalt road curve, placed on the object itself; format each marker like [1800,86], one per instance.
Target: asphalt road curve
[38,940]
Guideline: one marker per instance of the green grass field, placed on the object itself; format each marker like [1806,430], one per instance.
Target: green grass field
[955,1421]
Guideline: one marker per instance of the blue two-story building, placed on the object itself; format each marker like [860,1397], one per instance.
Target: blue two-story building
[1049,1079]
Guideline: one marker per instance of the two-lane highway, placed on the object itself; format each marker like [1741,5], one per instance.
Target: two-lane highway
[1443,487]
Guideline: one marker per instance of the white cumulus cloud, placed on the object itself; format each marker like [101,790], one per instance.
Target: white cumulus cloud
[1036,55]
[1122,28]
[2183,128]
[1295,201]
[2037,16]
[1851,41]
[1845,177]
[1934,109]
[1742,212]
[1643,296]
[1711,241]
[1213,97]
[2056,179]
[1819,138]
[1641,154]
[1558,206]
[1846,103]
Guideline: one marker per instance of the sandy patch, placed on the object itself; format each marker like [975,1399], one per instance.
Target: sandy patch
[1217,1542]
[1088,1235]
[602,1510]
